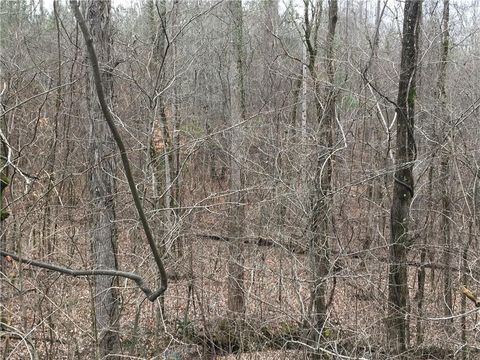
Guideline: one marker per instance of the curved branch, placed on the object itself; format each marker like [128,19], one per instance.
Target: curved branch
[70,272]
[123,153]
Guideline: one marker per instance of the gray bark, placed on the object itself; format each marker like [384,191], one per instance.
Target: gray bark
[4,181]
[445,164]
[102,185]
[175,151]
[161,159]
[236,216]
[321,199]
[397,323]
[49,218]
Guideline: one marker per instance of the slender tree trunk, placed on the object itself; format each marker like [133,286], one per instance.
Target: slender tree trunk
[270,81]
[321,217]
[421,275]
[420,297]
[4,182]
[4,179]
[102,185]
[236,217]
[397,324]
[49,218]
[374,136]
[463,305]
[161,158]
[176,196]
[445,166]
[303,119]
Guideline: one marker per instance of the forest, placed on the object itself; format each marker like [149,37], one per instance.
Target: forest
[239,179]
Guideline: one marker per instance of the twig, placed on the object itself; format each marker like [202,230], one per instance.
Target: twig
[15,333]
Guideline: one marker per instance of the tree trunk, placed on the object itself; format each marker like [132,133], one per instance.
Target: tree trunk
[373,136]
[445,166]
[236,216]
[102,185]
[4,182]
[50,218]
[161,158]
[303,121]
[160,155]
[4,179]
[176,198]
[397,324]
[321,216]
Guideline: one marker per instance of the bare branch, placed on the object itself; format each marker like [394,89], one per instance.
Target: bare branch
[123,152]
[70,272]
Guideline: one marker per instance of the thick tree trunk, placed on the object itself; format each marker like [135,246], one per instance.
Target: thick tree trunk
[236,217]
[102,186]
[397,324]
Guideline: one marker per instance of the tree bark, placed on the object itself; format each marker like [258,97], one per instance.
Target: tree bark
[50,218]
[4,174]
[152,295]
[321,199]
[445,164]
[236,216]
[177,120]
[161,159]
[405,154]
[102,185]
[5,316]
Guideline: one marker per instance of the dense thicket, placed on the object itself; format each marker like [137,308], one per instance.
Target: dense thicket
[263,139]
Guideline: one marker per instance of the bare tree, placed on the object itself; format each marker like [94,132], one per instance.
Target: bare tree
[102,183]
[236,216]
[405,155]
[284,214]
[445,161]
[320,223]
[4,180]
[162,161]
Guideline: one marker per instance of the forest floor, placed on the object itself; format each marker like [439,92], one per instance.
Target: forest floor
[277,287]
[195,323]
